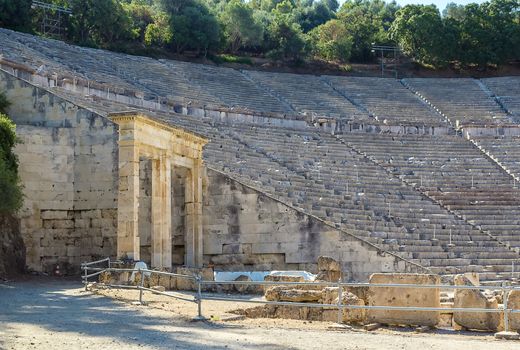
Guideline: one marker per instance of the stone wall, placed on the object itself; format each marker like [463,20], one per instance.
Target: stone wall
[247,230]
[68,158]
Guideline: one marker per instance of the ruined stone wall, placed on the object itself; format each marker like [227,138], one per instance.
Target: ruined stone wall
[246,230]
[67,163]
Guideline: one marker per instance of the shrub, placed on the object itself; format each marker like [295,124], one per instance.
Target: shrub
[10,187]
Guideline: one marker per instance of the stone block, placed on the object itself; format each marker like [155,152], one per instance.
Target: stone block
[402,296]
[513,302]
[352,315]
[190,284]
[54,214]
[474,298]
[282,293]
[326,263]
[247,289]
[329,276]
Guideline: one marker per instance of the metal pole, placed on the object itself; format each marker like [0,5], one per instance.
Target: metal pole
[85,277]
[506,316]
[141,287]
[199,298]
[382,66]
[340,296]
[199,316]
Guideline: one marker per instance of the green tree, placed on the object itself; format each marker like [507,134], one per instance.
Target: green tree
[193,26]
[367,21]
[419,30]
[240,26]
[15,14]
[286,35]
[99,22]
[310,17]
[141,14]
[10,189]
[332,41]
[158,32]
[453,11]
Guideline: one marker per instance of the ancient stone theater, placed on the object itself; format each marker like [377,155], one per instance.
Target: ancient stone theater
[180,164]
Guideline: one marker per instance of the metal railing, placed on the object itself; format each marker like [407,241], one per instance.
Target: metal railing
[199,296]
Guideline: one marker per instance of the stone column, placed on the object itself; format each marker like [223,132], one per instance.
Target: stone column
[128,197]
[197,212]
[161,213]
[188,225]
[193,198]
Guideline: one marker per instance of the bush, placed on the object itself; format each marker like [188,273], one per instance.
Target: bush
[332,41]
[10,188]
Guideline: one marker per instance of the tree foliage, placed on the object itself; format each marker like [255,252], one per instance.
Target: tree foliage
[332,41]
[241,29]
[15,14]
[419,31]
[474,34]
[10,189]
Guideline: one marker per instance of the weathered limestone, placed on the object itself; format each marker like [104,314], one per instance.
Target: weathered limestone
[328,269]
[513,302]
[142,136]
[356,316]
[474,298]
[285,293]
[401,296]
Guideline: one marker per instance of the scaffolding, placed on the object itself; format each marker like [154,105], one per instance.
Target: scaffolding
[389,62]
[51,21]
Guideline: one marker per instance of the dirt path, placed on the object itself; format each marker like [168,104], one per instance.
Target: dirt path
[50,314]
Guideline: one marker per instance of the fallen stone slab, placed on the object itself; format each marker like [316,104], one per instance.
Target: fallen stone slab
[513,302]
[473,298]
[404,297]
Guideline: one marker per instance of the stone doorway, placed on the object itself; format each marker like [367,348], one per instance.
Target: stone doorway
[156,163]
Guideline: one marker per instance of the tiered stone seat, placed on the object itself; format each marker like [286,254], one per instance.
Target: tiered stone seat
[461,100]
[391,215]
[504,148]
[307,94]
[229,85]
[455,173]
[387,100]
[507,90]
[317,173]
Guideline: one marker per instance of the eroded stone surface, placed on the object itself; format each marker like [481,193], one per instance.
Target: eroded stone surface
[402,296]
[474,298]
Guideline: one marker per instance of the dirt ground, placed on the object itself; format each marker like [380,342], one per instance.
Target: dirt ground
[43,313]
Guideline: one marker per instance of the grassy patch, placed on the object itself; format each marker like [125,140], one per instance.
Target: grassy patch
[226,58]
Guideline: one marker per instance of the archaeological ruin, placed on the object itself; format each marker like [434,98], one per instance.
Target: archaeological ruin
[181,164]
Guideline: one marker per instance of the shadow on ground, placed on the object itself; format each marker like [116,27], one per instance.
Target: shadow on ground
[57,306]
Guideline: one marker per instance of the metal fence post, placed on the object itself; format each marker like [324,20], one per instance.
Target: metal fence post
[506,316]
[340,297]
[141,286]
[85,277]
[199,298]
